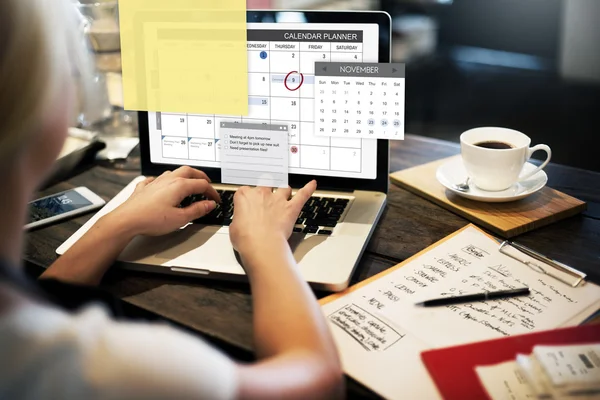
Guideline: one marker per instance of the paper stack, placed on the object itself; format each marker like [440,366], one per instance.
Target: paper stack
[563,372]
[550,372]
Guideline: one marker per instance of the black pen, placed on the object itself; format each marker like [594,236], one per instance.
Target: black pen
[502,294]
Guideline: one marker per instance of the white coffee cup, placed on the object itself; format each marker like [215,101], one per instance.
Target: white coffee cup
[498,169]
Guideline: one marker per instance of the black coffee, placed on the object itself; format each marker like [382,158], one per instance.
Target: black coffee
[492,144]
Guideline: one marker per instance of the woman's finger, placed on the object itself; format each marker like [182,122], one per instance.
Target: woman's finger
[198,209]
[162,176]
[302,195]
[241,192]
[187,187]
[285,192]
[264,189]
[141,185]
[189,172]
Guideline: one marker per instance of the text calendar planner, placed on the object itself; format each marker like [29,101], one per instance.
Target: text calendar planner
[281,90]
[380,333]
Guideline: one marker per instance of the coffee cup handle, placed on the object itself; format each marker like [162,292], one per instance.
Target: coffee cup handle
[530,151]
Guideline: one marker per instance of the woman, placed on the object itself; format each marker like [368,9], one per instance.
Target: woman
[49,353]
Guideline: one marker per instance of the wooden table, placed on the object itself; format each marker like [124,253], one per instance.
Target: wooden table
[222,312]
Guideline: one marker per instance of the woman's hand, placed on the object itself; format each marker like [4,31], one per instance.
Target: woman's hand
[153,208]
[297,355]
[263,216]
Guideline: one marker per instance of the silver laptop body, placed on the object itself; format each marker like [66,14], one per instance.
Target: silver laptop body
[326,261]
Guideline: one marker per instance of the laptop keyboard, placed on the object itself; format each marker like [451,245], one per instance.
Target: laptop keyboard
[319,215]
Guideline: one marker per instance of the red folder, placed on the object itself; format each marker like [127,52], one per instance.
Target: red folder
[453,368]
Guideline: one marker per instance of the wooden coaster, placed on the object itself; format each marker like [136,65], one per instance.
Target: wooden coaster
[506,219]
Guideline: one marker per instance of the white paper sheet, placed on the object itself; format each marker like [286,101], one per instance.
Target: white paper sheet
[467,263]
[526,379]
[533,373]
[379,353]
[575,365]
[505,381]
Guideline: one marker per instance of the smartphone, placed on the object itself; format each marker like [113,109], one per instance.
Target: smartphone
[63,205]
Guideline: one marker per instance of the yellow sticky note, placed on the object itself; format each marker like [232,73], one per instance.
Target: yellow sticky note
[185,56]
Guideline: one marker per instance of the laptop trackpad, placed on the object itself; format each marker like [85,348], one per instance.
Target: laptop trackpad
[301,245]
[203,246]
[168,246]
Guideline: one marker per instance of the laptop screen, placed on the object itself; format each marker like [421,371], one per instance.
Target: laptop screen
[281,60]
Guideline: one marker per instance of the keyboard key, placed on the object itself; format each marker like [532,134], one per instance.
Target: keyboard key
[325,214]
[311,229]
[321,222]
[186,202]
[317,212]
[334,211]
[324,232]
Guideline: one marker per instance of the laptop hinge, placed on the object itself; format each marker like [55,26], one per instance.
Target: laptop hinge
[190,270]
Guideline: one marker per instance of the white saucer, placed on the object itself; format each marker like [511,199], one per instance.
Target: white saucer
[453,172]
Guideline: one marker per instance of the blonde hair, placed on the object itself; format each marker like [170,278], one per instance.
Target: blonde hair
[40,45]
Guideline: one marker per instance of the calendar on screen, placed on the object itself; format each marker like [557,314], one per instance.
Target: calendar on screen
[359,100]
[281,88]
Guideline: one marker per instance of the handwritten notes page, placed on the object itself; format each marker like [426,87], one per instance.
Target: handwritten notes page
[380,332]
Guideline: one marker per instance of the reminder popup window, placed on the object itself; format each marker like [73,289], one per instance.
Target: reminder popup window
[254,154]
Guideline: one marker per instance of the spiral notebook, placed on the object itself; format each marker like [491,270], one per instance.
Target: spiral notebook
[380,333]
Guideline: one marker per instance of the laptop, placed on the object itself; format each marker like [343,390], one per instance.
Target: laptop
[335,225]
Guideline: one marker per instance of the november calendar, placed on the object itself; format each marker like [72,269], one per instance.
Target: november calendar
[359,100]
[281,87]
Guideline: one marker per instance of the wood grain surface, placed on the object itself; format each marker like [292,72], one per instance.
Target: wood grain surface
[506,219]
[221,312]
